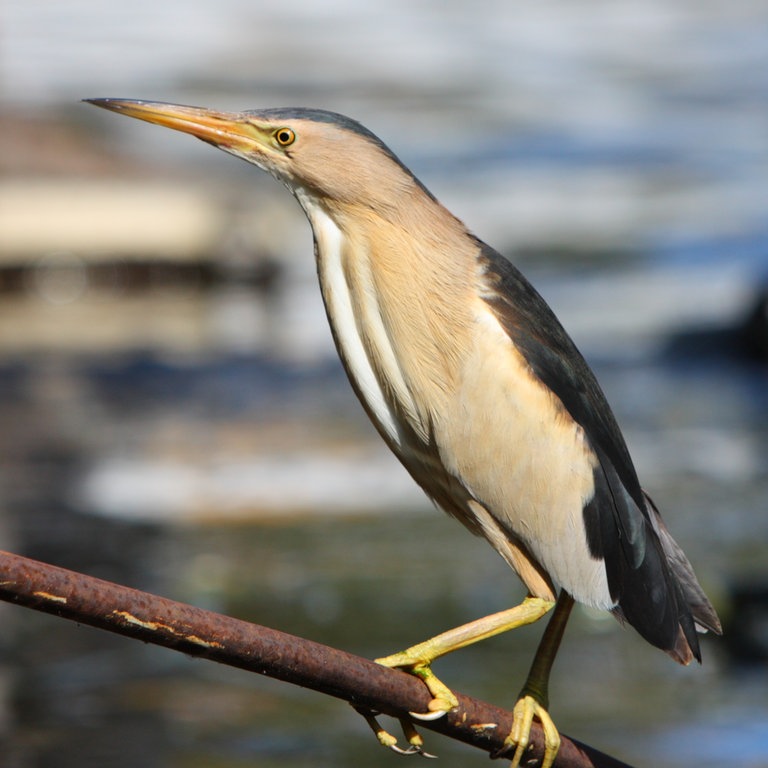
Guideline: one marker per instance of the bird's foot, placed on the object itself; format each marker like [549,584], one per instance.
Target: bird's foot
[443,698]
[443,701]
[526,709]
[386,739]
[417,661]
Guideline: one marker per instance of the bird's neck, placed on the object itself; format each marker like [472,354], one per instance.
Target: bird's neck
[396,292]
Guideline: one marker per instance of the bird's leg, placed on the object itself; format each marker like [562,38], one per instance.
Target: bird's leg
[418,658]
[534,697]
[417,661]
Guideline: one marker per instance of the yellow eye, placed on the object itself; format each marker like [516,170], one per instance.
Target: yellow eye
[284,137]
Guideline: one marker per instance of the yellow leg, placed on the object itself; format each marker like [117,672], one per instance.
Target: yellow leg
[418,659]
[534,697]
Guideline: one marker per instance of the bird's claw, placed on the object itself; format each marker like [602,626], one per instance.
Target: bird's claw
[386,739]
[518,740]
[428,717]
[411,750]
[414,750]
[443,701]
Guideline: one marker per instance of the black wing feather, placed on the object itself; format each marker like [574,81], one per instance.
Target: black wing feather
[617,518]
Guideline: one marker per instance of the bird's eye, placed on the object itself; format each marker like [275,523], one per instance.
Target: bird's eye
[284,137]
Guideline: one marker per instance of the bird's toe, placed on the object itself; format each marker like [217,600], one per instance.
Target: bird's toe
[386,739]
[443,698]
[526,709]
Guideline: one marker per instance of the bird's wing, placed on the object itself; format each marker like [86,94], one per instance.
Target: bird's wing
[617,520]
[555,360]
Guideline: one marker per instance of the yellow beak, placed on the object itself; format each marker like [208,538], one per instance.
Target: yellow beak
[227,130]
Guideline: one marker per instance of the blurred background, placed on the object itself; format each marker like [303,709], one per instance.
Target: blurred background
[174,417]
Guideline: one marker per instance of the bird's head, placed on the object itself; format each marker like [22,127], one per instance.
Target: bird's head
[322,154]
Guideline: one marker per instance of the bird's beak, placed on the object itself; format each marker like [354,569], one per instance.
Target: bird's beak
[227,130]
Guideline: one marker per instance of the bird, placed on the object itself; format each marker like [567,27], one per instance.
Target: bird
[476,387]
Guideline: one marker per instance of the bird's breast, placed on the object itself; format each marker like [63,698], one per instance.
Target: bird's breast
[524,459]
[456,401]
[355,317]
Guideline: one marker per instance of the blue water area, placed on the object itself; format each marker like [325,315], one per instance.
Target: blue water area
[748,250]
[738,739]
[548,148]
[225,384]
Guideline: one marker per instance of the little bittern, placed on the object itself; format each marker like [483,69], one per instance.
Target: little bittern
[474,384]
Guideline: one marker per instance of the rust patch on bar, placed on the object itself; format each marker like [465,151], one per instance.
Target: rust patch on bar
[49,596]
[157,626]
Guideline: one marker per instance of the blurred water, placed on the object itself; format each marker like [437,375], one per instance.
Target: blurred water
[620,151]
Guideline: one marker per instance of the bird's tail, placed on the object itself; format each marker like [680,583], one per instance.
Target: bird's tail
[693,603]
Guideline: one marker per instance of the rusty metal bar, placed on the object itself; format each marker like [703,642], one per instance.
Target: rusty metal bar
[265,651]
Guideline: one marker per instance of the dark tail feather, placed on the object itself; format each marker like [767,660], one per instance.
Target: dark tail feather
[694,609]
